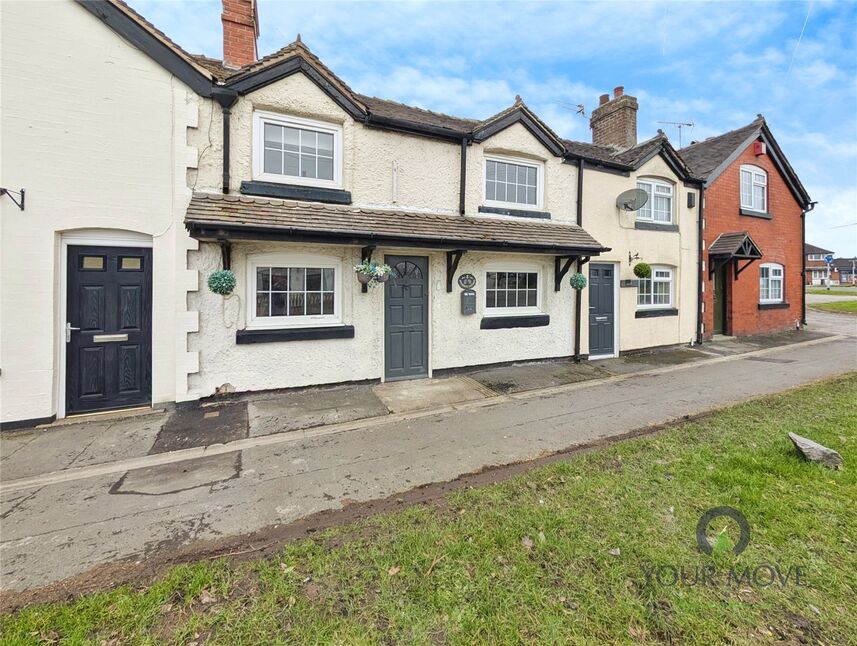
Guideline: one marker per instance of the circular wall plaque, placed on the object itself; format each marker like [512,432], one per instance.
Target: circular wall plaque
[466,281]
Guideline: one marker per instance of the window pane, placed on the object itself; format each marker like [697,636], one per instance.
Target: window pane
[313,280]
[296,304]
[262,305]
[308,166]
[296,278]
[290,164]
[325,168]
[532,280]
[490,298]
[490,190]
[511,299]
[131,263]
[273,161]
[491,170]
[308,142]
[531,195]
[522,298]
[759,197]
[313,303]
[531,297]
[501,299]
[501,192]
[92,262]
[531,177]
[502,280]
[263,279]
[291,139]
[273,136]
[279,279]
[278,304]
[491,280]
[327,280]
[325,144]
[327,303]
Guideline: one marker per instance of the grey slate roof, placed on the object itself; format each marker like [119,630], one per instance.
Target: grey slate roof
[730,244]
[704,157]
[287,217]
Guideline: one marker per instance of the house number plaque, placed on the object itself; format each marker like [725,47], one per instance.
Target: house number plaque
[466,281]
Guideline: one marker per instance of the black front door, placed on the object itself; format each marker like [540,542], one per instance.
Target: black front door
[109,328]
[719,300]
[601,314]
[406,318]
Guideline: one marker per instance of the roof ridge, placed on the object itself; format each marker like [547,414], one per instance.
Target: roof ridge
[758,120]
[414,107]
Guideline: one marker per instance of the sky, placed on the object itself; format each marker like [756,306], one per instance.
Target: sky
[714,64]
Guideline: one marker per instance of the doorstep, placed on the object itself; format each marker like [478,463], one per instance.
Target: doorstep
[420,394]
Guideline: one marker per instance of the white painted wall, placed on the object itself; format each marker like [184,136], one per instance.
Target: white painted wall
[615,229]
[96,132]
[455,339]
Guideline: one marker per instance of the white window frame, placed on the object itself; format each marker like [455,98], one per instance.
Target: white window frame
[293,260]
[653,183]
[658,306]
[815,256]
[514,267]
[782,280]
[540,183]
[260,118]
[758,177]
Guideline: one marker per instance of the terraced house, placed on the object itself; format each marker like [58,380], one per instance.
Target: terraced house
[277,171]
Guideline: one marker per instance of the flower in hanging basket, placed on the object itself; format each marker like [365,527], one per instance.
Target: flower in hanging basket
[222,282]
[642,270]
[372,273]
[577,280]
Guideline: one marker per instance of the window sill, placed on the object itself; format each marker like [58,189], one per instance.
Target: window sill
[756,214]
[647,314]
[295,334]
[518,213]
[503,322]
[296,192]
[654,226]
[774,306]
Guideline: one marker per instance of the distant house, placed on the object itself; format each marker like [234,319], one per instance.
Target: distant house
[846,269]
[816,268]
[753,226]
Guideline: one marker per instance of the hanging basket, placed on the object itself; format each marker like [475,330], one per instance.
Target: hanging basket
[371,273]
[642,270]
[222,282]
[364,279]
[577,281]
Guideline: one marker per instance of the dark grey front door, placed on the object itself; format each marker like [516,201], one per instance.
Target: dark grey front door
[406,318]
[109,328]
[601,323]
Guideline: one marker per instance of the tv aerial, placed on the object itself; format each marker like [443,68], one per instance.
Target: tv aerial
[632,200]
[679,125]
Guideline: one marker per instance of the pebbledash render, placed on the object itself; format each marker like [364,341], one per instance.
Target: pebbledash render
[279,172]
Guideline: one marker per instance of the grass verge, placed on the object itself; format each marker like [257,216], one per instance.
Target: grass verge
[840,307]
[557,555]
[842,290]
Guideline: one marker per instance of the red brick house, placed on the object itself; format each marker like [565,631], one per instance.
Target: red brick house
[816,269]
[754,205]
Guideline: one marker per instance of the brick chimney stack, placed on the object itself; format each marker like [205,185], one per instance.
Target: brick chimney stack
[240,30]
[614,121]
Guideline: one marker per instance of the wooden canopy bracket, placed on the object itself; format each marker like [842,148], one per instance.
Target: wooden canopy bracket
[452,260]
[716,264]
[226,253]
[738,269]
[561,265]
[366,255]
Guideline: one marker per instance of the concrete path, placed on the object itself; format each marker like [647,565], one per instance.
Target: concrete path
[833,297]
[831,322]
[54,529]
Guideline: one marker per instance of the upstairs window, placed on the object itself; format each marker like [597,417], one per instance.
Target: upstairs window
[296,151]
[754,188]
[659,207]
[516,183]
[815,256]
[655,292]
[771,283]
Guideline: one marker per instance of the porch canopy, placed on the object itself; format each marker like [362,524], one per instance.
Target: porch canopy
[226,218]
[732,247]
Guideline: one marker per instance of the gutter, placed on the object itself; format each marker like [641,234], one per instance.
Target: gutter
[226,98]
[810,207]
[577,297]
[408,127]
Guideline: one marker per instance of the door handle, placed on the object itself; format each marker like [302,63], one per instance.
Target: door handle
[68,331]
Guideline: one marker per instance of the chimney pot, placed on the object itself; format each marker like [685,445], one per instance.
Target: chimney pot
[618,91]
[614,121]
[604,98]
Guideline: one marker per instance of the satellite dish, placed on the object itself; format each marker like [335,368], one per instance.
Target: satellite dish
[632,199]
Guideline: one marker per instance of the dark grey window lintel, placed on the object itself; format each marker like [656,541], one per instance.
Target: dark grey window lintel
[653,226]
[518,213]
[647,314]
[295,334]
[295,192]
[756,214]
[503,322]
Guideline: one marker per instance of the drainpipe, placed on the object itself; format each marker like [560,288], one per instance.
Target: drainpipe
[803,213]
[226,98]
[700,226]
[463,180]
[577,297]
